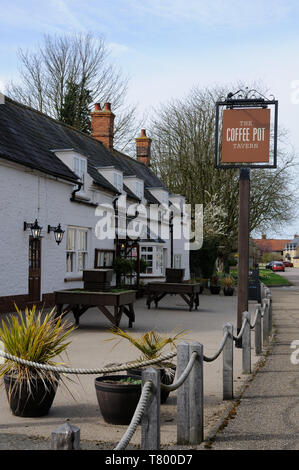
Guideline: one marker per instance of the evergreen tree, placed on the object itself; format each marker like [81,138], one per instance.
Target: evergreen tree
[75,107]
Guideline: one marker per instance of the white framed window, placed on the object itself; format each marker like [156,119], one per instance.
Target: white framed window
[70,250]
[118,181]
[80,168]
[139,189]
[77,250]
[153,255]
[177,261]
[159,260]
[147,253]
[104,258]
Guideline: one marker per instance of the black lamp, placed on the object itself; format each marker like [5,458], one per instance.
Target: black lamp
[58,233]
[35,228]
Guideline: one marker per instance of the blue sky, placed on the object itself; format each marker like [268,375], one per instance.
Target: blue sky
[169,46]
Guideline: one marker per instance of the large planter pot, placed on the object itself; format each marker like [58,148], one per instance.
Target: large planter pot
[174,275]
[165,379]
[97,279]
[117,401]
[228,291]
[215,289]
[30,403]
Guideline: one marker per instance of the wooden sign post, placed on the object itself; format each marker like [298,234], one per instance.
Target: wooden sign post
[243,246]
[244,132]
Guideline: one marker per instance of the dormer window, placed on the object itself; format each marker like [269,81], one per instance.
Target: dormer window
[165,199]
[80,168]
[118,181]
[139,189]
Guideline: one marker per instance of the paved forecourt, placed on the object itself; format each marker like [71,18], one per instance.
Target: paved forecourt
[89,349]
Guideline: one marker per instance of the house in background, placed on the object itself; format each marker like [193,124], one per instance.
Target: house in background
[271,246]
[291,251]
[61,178]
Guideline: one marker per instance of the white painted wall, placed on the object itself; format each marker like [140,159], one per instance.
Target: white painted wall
[26,195]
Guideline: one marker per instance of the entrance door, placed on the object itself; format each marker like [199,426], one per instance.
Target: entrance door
[34,269]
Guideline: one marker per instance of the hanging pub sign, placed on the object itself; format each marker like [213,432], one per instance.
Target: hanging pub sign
[246,131]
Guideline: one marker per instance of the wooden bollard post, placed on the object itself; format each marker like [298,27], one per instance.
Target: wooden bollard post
[150,423]
[258,331]
[66,437]
[183,418]
[269,297]
[228,363]
[246,345]
[266,322]
[196,421]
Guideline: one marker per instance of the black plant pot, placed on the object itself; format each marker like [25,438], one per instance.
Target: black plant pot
[117,401]
[228,291]
[215,289]
[166,379]
[30,403]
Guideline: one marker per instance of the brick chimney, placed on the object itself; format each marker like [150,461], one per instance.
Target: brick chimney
[102,124]
[143,148]
[264,237]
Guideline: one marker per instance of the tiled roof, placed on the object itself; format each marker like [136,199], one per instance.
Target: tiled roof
[131,167]
[25,138]
[150,198]
[271,244]
[295,241]
[28,136]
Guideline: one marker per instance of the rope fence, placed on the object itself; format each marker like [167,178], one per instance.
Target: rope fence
[189,383]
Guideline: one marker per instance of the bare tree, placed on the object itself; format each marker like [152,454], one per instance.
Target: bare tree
[183,134]
[81,60]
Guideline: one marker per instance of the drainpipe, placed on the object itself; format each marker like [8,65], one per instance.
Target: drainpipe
[73,196]
[114,202]
[171,239]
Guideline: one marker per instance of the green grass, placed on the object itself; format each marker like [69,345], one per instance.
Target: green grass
[268,277]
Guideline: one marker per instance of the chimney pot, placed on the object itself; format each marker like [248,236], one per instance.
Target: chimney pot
[143,148]
[102,125]
[264,237]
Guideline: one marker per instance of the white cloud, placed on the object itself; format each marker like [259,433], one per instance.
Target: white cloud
[117,49]
[226,13]
[64,12]
[53,17]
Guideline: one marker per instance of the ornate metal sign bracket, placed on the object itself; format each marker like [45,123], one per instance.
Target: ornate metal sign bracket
[246,99]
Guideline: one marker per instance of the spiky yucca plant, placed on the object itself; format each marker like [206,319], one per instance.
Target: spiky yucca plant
[151,345]
[227,281]
[34,337]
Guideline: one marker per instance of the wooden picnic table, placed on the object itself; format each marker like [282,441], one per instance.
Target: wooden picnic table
[78,301]
[157,290]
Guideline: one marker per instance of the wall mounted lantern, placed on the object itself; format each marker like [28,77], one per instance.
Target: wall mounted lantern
[35,228]
[58,233]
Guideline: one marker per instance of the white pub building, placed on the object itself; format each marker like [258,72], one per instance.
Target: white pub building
[56,184]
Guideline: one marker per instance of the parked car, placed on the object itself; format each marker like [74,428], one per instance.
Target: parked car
[269,265]
[278,266]
[288,264]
